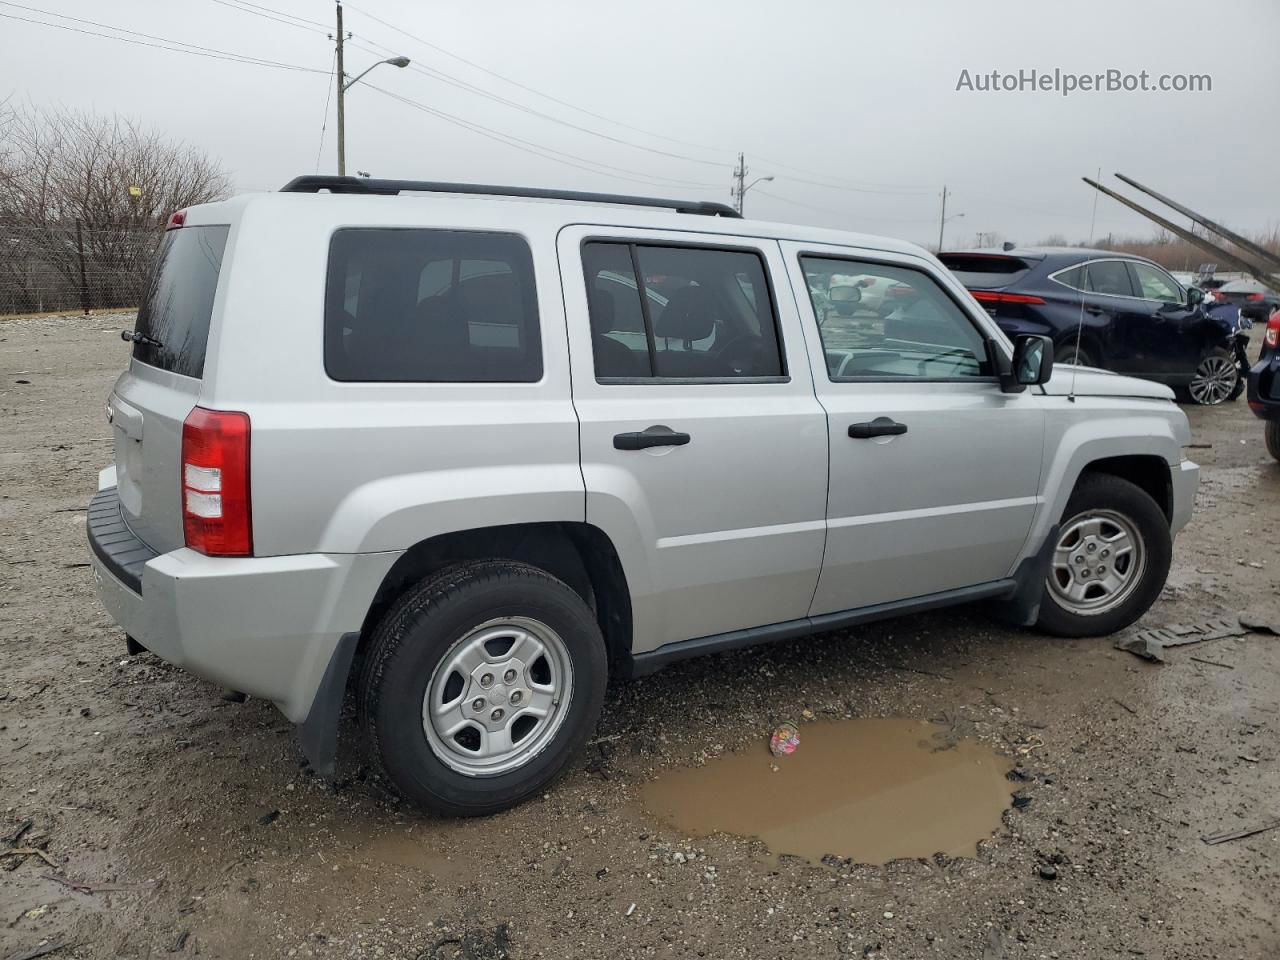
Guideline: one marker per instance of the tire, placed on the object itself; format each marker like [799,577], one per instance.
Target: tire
[1273,438]
[1217,378]
[444,622]
[1069,353]
[1110,602]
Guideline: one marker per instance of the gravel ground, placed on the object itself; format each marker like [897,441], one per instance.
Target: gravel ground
[179,822]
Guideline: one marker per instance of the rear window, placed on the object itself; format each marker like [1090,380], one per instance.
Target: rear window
[984,272]
[175,311]
[430,306]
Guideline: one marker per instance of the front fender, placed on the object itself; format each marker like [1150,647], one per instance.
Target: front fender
[1089,429]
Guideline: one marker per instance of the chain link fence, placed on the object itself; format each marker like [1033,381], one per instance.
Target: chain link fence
[60,267]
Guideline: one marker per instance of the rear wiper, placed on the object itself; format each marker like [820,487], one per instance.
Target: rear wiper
[136,336]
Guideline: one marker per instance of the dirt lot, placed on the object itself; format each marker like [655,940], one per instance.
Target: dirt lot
[183,823]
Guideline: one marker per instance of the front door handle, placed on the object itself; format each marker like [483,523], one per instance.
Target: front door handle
[656,436]
[879,427]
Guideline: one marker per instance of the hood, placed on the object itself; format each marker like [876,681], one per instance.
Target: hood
[1092,382]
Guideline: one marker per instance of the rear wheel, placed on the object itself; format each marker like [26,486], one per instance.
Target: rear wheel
[1111,559]
[480,685]
[1273,438]
[1217,378]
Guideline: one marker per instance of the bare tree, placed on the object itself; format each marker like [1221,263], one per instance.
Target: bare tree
[107,177]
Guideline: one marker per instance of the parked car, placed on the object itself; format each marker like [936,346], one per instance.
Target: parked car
[1254,300]
[1127,314]
[451,453]
[1264,387]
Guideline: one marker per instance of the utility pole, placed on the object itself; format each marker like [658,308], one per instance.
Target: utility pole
[942,222]
[739,191]
[341,79]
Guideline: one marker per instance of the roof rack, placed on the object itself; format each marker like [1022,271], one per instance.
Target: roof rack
[374,186]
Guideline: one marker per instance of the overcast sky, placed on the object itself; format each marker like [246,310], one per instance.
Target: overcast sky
[861,96]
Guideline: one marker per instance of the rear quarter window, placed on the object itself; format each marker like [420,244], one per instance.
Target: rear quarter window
[430,306]
[176,309]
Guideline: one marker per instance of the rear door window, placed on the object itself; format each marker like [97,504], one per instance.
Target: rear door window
[431,306]
[173,318]
[684,313]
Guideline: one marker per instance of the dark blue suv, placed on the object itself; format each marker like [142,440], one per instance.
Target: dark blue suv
[1133,317]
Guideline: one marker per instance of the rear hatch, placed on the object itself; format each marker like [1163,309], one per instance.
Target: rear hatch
[989,277]
[152,399]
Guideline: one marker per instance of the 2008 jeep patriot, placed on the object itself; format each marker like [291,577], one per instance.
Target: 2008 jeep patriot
[471,451]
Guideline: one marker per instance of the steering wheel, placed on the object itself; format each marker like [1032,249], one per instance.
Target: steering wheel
[740,354]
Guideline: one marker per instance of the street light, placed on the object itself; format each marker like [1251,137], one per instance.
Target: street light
[343,87]
[742,196]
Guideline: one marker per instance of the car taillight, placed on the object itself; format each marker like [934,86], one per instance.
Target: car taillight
[215,483]
[176,219]
[988,296]
[1254,297]
[1272,336]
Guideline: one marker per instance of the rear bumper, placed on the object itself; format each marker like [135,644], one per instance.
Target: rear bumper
[1186,480]
[1264,387]
[267,626]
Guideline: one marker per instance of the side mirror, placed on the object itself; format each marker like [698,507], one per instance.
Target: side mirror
[1195,296]
[1032,359]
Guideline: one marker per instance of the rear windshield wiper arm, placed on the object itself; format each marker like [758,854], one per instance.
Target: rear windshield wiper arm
[137,336]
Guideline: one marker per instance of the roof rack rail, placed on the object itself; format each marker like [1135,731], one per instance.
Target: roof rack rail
[375,186]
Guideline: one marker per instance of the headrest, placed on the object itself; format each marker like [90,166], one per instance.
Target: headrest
[602,309]
[689,315]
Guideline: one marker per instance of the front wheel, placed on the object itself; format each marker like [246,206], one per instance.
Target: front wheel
[480,685]
[1273,438]
[1111,559]
[1217,378]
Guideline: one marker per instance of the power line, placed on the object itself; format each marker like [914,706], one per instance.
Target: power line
[231,4]
[533,90]
[521,144]
[825,180]
[831,210]
[324,123]
[164,43]
[280,13]
[471,88]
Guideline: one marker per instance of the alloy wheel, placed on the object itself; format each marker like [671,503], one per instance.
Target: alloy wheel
[1216,377]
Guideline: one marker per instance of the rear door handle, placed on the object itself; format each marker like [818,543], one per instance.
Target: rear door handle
[656,436]
[1096,311]
[879,427]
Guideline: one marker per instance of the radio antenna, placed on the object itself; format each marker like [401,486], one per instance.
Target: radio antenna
[1084,285]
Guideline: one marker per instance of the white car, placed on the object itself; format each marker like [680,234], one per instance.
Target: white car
[470,451]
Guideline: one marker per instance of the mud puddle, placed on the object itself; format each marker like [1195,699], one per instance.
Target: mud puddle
[872,789]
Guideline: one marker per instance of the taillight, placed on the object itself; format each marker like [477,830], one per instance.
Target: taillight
[176,219]
[1272,336]
[988,296]
[215,483]
[1254,297]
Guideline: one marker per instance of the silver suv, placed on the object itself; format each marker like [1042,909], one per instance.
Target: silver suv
[470,452]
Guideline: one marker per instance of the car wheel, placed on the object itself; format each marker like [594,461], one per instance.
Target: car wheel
[1273,438]
[1217,378]
[1111,559]
[1070,353]
[480,685]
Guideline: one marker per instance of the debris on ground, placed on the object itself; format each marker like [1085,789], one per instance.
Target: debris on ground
[1239,834]
[784,740]
[1261,622]
[270,817]
[28,852]
[53,946]
[1151,644]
